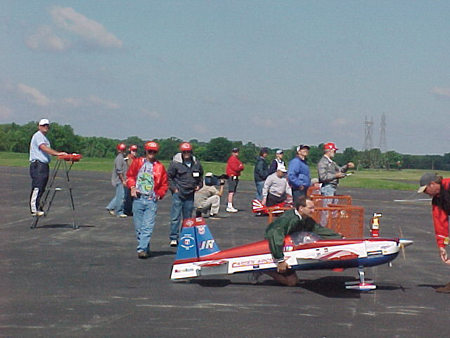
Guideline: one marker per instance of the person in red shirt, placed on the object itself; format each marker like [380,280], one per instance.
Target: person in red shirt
[233,170]
[147,180]
[439,189]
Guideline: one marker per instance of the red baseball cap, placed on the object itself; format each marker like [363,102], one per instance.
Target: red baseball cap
[185,146]
[121,146]
[330,146]
[151,145]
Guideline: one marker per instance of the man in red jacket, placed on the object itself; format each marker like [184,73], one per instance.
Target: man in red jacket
[147,180]
[233,170]
[439,189]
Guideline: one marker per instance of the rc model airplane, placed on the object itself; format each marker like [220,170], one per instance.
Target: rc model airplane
[198,254]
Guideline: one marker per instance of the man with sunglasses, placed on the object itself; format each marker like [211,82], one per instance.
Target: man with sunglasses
[40,157]
[147,181]
[185,175]
[438,188]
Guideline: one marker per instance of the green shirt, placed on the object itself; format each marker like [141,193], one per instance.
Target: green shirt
[291,221]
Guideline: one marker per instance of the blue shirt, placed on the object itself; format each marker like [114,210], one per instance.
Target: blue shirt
[36,154]
[298,174]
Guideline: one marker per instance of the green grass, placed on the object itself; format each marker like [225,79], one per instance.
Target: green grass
[369,179]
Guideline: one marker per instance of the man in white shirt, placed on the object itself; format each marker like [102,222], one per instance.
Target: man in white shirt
[40,157]
[276,188]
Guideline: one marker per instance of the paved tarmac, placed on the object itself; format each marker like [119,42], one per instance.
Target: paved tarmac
[59,282]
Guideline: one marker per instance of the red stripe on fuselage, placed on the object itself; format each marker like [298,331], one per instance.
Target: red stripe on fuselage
[262,247]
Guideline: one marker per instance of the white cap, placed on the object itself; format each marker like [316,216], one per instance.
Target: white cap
[282,168]
[44,121]
[208,174]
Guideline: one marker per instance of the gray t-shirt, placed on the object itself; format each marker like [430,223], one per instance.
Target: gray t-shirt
[120,167]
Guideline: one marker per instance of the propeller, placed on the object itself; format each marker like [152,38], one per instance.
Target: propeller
[404,242]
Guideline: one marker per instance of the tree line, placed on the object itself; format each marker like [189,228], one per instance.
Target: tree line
[16,138]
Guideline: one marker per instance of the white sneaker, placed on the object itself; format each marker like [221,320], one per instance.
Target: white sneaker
[173,242]
[38,213]
[122,216]
[231,209]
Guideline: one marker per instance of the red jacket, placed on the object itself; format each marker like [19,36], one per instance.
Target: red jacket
[440,220]
[234,166]
[159,176]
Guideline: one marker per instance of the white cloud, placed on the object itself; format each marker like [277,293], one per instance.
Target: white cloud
[96,101]
[89,32]
[441,91]
[91,101]
[72,21]
[33,95]
[44,39]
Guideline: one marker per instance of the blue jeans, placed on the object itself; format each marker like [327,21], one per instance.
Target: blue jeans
[144,215]
[259,189]
[328,190]
[117,201]
[180,205]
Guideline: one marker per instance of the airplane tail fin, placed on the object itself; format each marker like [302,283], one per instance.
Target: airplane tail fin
[257,206]
[195,240]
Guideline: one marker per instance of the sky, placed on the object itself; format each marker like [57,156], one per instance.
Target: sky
[275,73]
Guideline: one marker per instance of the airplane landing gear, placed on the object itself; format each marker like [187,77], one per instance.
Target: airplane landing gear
[363,284]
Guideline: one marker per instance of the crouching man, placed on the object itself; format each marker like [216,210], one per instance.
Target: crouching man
[298,219]
[207,199]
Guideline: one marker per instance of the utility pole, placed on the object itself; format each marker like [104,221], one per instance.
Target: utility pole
[383,143]
[368,132]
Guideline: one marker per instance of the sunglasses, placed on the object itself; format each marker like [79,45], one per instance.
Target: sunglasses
[152,152]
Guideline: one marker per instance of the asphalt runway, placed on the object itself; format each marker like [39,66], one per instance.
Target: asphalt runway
[59,282]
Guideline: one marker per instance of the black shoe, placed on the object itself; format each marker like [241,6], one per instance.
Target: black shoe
[214,216]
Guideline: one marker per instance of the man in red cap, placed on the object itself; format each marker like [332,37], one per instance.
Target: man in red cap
[118,180]
[329,172]
[185,175]
[147,181]
[438,189]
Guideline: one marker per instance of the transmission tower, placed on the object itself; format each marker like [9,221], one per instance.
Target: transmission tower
[383,143]
[368,131]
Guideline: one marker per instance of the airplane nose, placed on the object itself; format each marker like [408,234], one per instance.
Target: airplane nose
[405,242]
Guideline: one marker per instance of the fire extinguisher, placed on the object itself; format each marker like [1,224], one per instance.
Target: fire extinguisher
[375,228]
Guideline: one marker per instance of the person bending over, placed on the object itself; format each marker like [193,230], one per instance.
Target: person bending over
[298,219]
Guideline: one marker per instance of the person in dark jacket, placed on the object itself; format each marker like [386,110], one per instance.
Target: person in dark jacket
[185,176]
[298,219]
[261,172]
[277,162]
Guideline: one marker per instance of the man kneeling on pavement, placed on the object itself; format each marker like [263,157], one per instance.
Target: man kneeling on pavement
[298,219]
[207,199]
